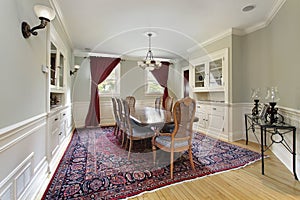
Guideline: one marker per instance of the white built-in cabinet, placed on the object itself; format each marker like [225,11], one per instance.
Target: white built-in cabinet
[59,110]
[57,75]
[212,119]
[210,72]
[209,82]
[60,125]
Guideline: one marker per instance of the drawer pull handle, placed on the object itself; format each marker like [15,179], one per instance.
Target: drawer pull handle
[214,109]
[64,114]
[60,133]
[55,119]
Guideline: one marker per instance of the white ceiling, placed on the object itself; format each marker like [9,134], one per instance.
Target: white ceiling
[117,26]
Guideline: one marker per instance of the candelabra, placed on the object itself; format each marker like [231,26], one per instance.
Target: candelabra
[273,98]
[255,95]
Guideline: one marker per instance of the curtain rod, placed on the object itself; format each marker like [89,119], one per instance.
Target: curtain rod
[102,56]
[122,59]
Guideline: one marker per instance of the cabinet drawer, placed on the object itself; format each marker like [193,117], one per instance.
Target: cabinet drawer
[216,110]
[54,122]
[54,119]
[65,113]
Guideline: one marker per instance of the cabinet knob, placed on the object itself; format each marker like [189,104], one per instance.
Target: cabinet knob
[55,119]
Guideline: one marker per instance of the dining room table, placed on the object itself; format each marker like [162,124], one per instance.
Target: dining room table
[150,116]
[153,117]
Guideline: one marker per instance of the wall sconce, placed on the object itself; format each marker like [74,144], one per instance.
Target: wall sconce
[76,68]
[45,14]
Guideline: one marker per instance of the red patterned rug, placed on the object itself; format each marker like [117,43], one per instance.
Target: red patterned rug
[95,166]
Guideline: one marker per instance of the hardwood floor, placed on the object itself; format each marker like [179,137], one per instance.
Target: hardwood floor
[245,183]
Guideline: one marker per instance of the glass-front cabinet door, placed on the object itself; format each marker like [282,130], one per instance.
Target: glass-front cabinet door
[209,73]
[61,70]
[215,73]
[57,68]
[58,64]
[53,64]
[199,75]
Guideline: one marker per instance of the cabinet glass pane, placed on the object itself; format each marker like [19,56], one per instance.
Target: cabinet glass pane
[215,73]
[61,71]
[53,65]
[199,75]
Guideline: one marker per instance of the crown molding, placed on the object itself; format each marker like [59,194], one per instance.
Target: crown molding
[277,6]
[233,31]
[61,20]
[229,32]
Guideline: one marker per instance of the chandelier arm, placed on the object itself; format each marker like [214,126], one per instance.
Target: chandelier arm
[149,62]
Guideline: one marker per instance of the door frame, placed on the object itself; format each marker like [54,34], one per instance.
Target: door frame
[182,80]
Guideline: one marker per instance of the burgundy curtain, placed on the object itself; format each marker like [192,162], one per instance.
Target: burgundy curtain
[101,67]
[161,75]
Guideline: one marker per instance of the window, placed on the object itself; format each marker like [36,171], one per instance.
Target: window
[110,86]
[152,86]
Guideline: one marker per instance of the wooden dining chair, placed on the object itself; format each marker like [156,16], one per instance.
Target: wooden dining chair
[169,107]
[169,103]
[181,138]
[157,103]
[116,116]
[133,133]
[131,102]
[122,128]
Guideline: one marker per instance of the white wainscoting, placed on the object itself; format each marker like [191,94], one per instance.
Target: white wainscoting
[23,148]
[291,116]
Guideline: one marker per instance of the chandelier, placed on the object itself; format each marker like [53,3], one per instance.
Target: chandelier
[149,63]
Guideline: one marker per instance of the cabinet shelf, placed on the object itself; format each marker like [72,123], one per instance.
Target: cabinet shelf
[216,69]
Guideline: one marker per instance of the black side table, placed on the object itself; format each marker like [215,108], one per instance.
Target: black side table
[277,133]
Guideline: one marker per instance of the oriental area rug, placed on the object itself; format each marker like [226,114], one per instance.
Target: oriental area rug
[96,166]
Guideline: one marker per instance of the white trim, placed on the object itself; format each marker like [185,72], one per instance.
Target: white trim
[117,81]
[18,168]
[182,80]
[147,93]
[215,38]
[15,141]
[270,17]
[241,32]
[61,20]
[21,125]
[9,188]
[39,177]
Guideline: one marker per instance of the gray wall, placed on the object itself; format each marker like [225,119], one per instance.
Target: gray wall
[270,57]
[21,77]
[22,83]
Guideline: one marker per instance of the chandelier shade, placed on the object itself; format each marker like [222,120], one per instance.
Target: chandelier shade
[149,63]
